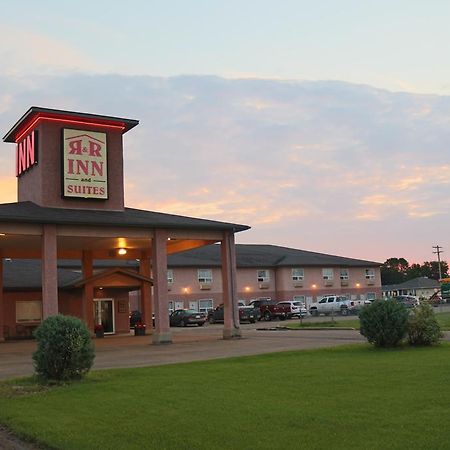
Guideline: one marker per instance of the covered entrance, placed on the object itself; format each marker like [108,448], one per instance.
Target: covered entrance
[67,210]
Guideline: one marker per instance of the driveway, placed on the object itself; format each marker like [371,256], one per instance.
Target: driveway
[189,344]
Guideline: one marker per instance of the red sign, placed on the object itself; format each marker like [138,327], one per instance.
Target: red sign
[27,153]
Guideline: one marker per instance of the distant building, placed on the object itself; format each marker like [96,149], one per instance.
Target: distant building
[420,287]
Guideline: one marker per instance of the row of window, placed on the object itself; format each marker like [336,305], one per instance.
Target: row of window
[263,276]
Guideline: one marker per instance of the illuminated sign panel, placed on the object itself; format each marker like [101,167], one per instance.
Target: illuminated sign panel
[85,164]
[27,153]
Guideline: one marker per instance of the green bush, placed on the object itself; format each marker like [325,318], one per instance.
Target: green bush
[384,322]
[423,328]
[65,350]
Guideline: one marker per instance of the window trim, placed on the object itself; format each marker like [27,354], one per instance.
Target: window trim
[204,279]
[327,277]
[298,277]
[265,278]
[344,277]
[371,275]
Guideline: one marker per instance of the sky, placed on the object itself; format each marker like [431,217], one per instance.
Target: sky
[323,125]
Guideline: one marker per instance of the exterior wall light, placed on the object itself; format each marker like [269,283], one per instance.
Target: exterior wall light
[122,251]
[358,285]
[314,286]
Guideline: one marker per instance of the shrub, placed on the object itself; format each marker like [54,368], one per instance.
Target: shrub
[423,328]
[384,323]
[65,350]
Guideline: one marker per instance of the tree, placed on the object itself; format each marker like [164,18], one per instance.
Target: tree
[430,269]
[394,271]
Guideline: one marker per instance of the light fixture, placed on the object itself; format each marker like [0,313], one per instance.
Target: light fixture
[100,287]
[314,286]
[247,288]
[358,285]
[2,234]
[122,251]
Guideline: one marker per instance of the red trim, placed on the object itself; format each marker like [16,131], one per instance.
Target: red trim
[40,117]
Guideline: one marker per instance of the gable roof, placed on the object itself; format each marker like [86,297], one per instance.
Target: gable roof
[29,212]
[106,273]
[415,283]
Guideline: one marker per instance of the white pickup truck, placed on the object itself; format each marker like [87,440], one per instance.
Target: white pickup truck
[333,304]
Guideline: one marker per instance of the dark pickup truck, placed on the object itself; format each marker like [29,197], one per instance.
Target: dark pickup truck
[270,310]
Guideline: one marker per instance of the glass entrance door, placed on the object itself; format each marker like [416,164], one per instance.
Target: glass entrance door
[104,314]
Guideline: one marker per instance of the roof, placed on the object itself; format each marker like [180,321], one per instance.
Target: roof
[26,274]
[415,283]
[36,113]
[29,212]
[264,256]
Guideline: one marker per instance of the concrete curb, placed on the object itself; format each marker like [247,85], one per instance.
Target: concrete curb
[318,328]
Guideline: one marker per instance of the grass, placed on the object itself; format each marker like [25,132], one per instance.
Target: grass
[340,398]
[442,318]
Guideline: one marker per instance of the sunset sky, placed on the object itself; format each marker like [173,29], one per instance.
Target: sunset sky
[324,125]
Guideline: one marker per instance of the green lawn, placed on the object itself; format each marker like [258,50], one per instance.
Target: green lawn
[341,398]
[442,318]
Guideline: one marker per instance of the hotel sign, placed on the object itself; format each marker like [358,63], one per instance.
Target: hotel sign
[27,153]
[85,164]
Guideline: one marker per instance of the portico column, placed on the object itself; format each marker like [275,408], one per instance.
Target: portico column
[162,334]
[2,307]
[231,326]
[146,293]
[49,272]
[88,290]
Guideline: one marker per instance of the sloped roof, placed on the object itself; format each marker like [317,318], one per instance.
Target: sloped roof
[415,283]
[107,273]
[29,212]
[26,274]
[263,256]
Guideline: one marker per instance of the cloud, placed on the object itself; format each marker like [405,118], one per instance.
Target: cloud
[29,52]
[319,165]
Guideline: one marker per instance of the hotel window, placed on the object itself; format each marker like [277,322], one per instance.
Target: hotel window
[298,274]
[28,311]
[205,276]
[170,275]
[370,274]
[327,274]
[371,296]
[205,305]
[263,276]
[344,274]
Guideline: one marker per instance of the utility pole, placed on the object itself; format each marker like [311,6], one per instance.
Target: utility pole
[438,252]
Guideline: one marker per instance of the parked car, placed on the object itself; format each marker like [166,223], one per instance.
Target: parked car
[408,300]
[331,304]
[246,314]
[185,317]
[297,308]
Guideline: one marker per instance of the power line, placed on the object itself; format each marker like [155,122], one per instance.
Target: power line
[438,252]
